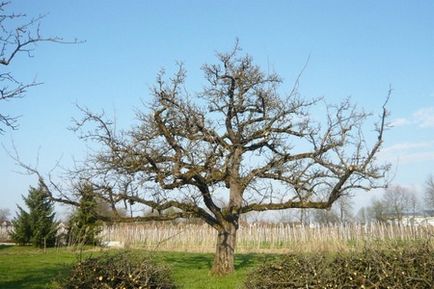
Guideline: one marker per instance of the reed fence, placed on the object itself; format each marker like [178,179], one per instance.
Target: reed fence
[261,237]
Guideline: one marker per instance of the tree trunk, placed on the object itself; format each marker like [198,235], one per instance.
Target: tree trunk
[225,251]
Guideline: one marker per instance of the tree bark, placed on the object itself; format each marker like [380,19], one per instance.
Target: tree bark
[225,250]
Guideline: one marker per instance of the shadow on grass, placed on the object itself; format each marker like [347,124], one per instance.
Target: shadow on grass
[250,260]
[3,246]
[38,278]
[205,261]
[245,261]
[187,260]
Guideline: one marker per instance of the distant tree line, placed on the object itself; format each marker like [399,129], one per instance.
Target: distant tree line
[396,203]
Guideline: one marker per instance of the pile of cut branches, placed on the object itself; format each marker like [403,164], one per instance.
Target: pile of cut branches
[409,266]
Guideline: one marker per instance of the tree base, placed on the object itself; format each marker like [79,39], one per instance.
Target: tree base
[225,253]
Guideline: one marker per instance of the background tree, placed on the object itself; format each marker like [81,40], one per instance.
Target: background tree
[241,140]
[413,205]
[398,201]
[326,217]
[339,213]
[429,193]
[84,225]
[344,209]
[36,226]
[377,211]
[18,35]
[295,216]
[4,215]
[361,216]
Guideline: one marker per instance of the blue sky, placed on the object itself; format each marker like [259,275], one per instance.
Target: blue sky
[356,48]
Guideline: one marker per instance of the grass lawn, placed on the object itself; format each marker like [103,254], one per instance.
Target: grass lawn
[26,267]
[30,268]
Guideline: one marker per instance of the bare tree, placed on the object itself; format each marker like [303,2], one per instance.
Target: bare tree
[4,215]
[240,140]
[295,216]
[361,216]
[429,193]
[377,211]
[344,208]
[326,217]
[339,213]
[398,201]
[18,35]
[303,216]
[413,205]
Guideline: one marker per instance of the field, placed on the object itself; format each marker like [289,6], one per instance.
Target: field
[29,268]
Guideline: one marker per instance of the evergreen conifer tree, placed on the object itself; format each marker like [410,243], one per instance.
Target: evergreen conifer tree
[22,232]
[38,225]
[84,224]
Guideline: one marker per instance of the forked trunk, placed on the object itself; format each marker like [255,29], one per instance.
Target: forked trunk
[225,251]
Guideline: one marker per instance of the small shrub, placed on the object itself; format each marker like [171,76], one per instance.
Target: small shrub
[411,266]
[119,271]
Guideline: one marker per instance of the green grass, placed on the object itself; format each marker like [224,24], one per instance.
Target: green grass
[26,267]
[30,268]
[192,270]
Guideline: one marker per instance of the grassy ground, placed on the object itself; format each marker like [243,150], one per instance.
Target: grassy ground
[29,268]
[25,267]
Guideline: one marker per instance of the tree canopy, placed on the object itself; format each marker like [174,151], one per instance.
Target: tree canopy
[240,145]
